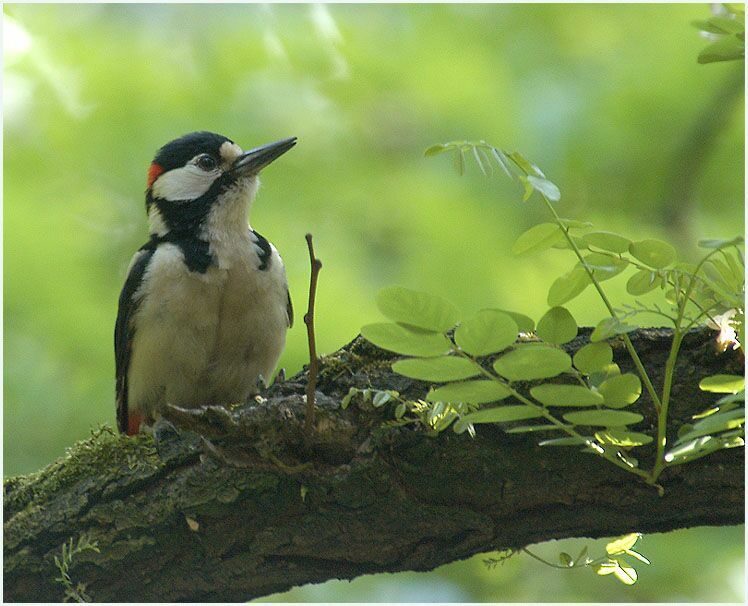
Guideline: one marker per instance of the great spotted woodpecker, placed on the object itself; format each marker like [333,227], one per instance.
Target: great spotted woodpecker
[205,308]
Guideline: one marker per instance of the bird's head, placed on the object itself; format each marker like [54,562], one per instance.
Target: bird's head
[204,177]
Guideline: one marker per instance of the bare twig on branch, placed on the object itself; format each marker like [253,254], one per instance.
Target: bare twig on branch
[316,266]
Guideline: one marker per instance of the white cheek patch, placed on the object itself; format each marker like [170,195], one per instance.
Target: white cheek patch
[186,183]
[229,152]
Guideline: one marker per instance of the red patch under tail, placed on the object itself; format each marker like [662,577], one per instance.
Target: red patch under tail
[133,424]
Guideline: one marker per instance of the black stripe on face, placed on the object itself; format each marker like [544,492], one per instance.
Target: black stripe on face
[180,151]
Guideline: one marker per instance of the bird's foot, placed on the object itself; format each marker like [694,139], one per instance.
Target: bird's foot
[280,377]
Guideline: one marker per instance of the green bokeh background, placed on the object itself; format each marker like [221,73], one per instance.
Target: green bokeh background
[608,100]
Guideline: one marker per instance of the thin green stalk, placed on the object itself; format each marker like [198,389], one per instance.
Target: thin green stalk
[627,341]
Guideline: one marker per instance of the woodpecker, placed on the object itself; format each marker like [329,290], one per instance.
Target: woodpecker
[205,307]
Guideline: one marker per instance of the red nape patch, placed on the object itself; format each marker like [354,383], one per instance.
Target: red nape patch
[153,173]
[133,424]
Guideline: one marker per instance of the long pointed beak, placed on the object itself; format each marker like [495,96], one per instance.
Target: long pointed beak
[254,160]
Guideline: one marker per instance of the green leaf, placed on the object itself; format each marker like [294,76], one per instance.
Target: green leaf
[547,188]
[565,559]
[565,395]
[575,224]
[716,423]
[419,309]
[533,428]
[568,286]
[722,383]
[607,240]
[523,163]
[486,333]
[502,414]
[436,149]
[524,323]
[604,266]
[593,357]
[611,370]
[655,253]
[557,326]
[529,362]
[610,327]
[473,392]
[700,447]
[625,574]
[621,391]
[719,242]
[438,370]
[603,418]
[642,282]
[537,238]
[568,441]
[381,398]
[622,438]
[729,48]
[528,188]
[399,339]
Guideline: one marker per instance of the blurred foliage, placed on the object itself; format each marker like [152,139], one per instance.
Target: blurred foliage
[609,99]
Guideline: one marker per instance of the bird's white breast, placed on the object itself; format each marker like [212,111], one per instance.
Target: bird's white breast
[204,338]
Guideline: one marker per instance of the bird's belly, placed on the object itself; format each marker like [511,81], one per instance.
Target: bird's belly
[203,338]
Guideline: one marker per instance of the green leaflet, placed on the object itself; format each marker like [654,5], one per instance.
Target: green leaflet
[655,253]
[488,332]
[622,390]
[603,418]
[400,339]
[474,392]
[439,370]
[528,362]
[565,395]
[557,326]
[415,308]
[593,357]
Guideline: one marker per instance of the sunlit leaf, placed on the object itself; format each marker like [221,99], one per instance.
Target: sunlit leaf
[610,327]
[719,242]
[400,339]
[557,326]
[529,362]
[642,282]
[419,309]
[565,395]
[728,48]
[537,238]
[567,441]
[607,240]
[474,392]
[621,391]
[722,383]
[718,422]
[655,253]
[568,286]
[522,163]
[623,543]
[622,438]
[604,266]
[488,332]
[603,418]
[502,414]
[436,149]
[524,323]
[441,370]
[593,357]
[381,398]
[547,188]
[535,428]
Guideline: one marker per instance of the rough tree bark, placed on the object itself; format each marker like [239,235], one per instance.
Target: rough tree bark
[173,523]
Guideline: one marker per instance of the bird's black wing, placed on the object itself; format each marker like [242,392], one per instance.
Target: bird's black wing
[124,330]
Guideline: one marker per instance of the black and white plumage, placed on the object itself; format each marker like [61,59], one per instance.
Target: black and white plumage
[205,307]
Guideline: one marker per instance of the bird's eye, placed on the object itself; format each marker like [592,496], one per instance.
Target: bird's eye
[207,162]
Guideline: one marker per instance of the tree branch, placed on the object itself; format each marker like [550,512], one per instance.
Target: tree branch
[173,523]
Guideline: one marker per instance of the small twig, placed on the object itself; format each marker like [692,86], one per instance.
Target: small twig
[311,385]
